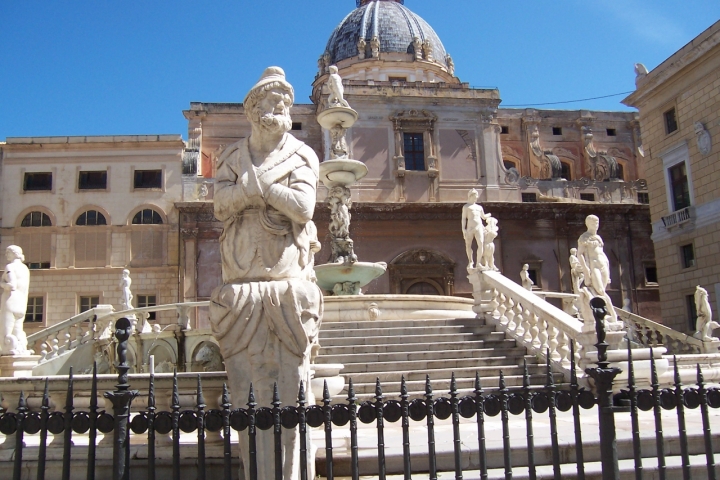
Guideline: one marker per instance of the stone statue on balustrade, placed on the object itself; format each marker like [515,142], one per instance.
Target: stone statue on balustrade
[596,274]
[527,282]
[705,324]
[126,295]
[491,233]
[474,229]
[266,314]
[337,91]
[15,285]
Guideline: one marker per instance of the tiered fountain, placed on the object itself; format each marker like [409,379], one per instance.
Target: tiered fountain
[344,275]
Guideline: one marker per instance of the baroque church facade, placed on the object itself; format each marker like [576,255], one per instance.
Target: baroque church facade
[426,137]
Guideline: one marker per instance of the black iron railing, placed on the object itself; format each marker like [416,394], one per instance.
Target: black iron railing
[477,408]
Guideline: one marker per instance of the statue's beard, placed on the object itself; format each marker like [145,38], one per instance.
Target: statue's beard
[272,123]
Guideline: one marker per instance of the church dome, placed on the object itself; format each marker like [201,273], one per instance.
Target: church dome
[394,25]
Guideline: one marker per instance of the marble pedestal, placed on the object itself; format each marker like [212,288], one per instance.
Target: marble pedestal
[18,365]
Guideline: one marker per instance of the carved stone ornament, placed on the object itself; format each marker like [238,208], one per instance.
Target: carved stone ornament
[588,141]
[362,46]
[417,47]
[375,47]
[535,141]
[450,65]
[704,142]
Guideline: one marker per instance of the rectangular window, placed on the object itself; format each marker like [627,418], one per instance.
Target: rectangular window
[611,132]
[146,247]
[87,302]
[651,277]
[90,248]
[147,301]
[691,311]
[35,309]
[414,151]
[37,181]
[504,130]
[679,186]
[296,126]
[92,180]
[148,179]
[644,198]
[565,171]
[557,130]
[529,197]
[397,79]
[687,254]
[588,197]
[670,121]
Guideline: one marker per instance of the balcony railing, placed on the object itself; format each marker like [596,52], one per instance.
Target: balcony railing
[677,218]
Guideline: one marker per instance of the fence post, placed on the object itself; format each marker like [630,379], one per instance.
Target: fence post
[121,399]
[604,375]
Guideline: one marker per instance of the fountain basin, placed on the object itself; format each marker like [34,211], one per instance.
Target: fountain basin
[361,272]
[341,171]
[333,116]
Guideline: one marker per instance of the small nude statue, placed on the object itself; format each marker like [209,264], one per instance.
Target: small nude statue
[15,283]
[527,282]
[473,228]
[705,324]
[339,144]
[576,271]
[491,233]
[595,264]
[126,295]
[337,91]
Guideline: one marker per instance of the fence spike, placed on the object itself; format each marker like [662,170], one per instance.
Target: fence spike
[501,382]
[200,396]
[478,387]
[251,395]
[276,396]
[403,388]
[175,394]
[550,379]
[453,385]
[700,377]
[378,389]
[526,376]
[22,404]
[677,372]
[351,392]
[301,393]
[46,394]
[225,396]
[428,386]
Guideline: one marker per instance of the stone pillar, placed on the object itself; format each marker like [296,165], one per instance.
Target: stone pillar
[491,157]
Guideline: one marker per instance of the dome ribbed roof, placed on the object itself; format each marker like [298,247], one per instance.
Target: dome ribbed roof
[389,20]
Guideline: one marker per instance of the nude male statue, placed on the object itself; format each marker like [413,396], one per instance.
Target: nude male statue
[15,283]
[473,228]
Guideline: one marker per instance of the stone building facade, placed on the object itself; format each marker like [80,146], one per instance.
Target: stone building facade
[679,104]
[85,208]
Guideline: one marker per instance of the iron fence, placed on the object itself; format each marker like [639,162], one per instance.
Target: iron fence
[478,408]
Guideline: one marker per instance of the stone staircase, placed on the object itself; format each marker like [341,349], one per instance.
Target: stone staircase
[390,349]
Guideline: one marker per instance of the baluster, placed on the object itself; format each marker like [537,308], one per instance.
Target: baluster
[522,325]
[542,335]
[513,317]
[494,303]
[654,340]
[509,312]
[533,329]
[65,339]
[553,343]
[42,347]
[563,348]
[54,345]
[502,307]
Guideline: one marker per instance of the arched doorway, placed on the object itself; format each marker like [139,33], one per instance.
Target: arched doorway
[422,272]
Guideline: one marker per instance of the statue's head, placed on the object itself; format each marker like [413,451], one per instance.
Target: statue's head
[268,103]
[592,222]
[473,195]
[12,252]
[700,291]
[333,69]
[125,273]
[573,251]
[526,267]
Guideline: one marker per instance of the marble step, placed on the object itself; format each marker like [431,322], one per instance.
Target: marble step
[441,387]
[478,353]
[418,347]
[443,373]
[442,363]
[408,339]
[407,331]
[370,324]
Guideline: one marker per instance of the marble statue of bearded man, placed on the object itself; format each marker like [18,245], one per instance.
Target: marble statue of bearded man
[266,314]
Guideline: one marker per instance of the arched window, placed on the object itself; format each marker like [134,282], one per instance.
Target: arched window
[620,172]
[566,171]
[91,218]
[147,217]
[91,243]
[509,164]
[36,244]
[36,219]
[147,239]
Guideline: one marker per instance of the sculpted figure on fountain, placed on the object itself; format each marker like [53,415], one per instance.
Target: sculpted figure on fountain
[491,233]
[126,295]
[266,314]
[527,282]
[15,283]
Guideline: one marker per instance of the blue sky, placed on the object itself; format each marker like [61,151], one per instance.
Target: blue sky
[99,67]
